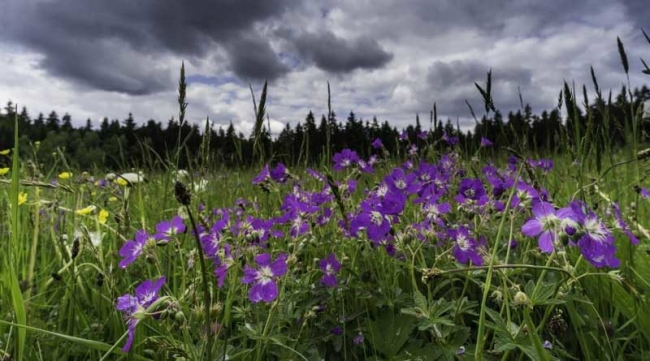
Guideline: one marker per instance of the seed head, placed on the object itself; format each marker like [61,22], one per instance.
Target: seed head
[182,194]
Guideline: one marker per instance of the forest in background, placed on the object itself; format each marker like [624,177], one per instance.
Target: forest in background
[126,143]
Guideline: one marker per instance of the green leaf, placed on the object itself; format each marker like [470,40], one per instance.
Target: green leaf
[389,333]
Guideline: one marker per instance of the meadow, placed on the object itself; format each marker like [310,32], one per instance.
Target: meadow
[439,254]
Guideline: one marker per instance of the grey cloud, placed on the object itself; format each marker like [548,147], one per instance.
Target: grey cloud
[253,58]
[451,83]
[87,41]
[337,55]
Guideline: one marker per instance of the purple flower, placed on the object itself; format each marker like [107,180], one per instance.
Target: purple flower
[404,135]
[544,223]
[133,249]
[222,262]
[471,190]
[451,140]
[623,225]
[643,192]
[167,229]
[377,143]
[423,135]
[263,278]
[330,267]
[134,306]
[399,181]
[344,159]
[596,242]
[466,247]
[337,330]
[365,166]
[358,340]
[262,176]
[486,142]
[279,173]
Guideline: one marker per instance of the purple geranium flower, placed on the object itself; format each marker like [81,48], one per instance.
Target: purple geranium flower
[486,142]
[377,143]
[344,159]
[471,190]
[263,279]
[451,140]
[544,223]
[134,306]
[466,247]
[330,267]
[596,242]
[262,176]
[279,173]
[133,249]
[167,229]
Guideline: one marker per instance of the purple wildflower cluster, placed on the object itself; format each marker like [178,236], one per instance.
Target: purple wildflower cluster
[440,205]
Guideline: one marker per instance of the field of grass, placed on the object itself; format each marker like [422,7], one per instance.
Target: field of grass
[440,256]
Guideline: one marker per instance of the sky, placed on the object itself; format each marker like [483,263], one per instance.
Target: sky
[386,58]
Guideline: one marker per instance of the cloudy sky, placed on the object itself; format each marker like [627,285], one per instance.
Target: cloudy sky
[386,58]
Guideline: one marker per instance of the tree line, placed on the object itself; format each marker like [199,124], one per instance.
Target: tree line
[121,144]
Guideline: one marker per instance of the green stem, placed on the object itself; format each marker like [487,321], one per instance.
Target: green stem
[206,288]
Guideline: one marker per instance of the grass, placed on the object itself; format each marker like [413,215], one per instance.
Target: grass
[413,284]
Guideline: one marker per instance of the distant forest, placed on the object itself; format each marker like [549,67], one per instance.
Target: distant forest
[120,144]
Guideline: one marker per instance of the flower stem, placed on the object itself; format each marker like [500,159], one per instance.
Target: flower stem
[206,291]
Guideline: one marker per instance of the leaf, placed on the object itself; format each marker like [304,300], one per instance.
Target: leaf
[389,333]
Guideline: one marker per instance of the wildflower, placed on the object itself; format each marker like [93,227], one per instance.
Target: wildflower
[451,140]
[262,176]
[129,178]
[486,142]
[279,173]
[22,198]
[623,225]
[102,217]
[182,194]
[544,223]
[112,199]
[167,229]
[358,340]
[547,345]
[330,267]
[5,152]
[263,279]
[134,306]
[377,143]
[423,135]
[65,175]
[471,190]
[643,192]
[85,211]
[4,171]
[344,159]
[222,262]
[466,247]
[596,241]
[337,330]
[132,249]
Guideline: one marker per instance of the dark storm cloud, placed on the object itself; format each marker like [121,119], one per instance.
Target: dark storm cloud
[252,58]
[112,45]
[337,55]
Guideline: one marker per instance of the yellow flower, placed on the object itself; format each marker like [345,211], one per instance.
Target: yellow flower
[122,182]
[22,198]
[5,152]
[4,171]
[112,199]
[85,211]
[65,175]
[103,216]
